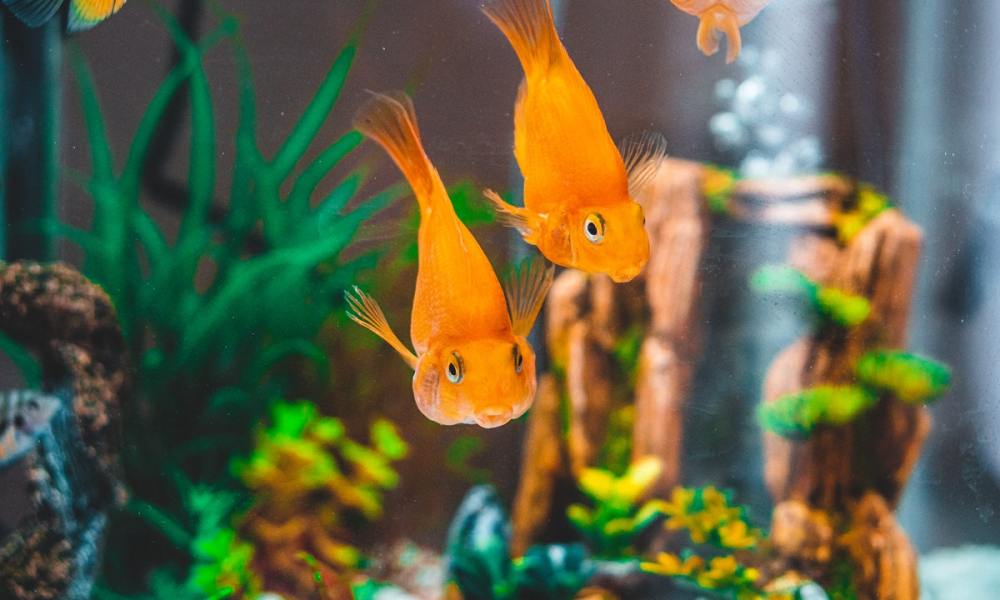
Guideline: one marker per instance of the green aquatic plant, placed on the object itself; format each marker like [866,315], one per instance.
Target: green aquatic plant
[618,516]
[868,204]
[480,565]
[717,186]
[308,478]
[798,414]
[830,305]
[460,453]
[907,377]
[207,314]
[720,567]
[710,517]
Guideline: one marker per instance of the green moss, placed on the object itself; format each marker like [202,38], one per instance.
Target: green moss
[907,377]
[869,204]
[830,305]
[626,351]
[798,414]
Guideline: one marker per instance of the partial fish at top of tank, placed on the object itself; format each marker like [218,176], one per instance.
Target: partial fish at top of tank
[24,414]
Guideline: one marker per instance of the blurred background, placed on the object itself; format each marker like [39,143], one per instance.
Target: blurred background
[899,94]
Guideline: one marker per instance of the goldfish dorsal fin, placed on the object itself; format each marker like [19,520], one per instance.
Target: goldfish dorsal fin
[530,28]
[643,154]
[365,311]
[512,216]
[526,287]
[390,120]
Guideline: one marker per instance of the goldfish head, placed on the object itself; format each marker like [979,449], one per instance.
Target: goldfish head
[486,381]
[607,239]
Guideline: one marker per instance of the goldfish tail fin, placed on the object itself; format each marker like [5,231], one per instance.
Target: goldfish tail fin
[390,120]
[513,216]
[33,13]
[365,311]
[643,154]
[530,28]
[715,21]
[526,288]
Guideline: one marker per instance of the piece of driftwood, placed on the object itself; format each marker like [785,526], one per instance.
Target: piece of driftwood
[587,315]
[57,496]
[836,491]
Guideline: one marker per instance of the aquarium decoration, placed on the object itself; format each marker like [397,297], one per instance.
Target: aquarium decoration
[62,485]
[480,563]
[797,415]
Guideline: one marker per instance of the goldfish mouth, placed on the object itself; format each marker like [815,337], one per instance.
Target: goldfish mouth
[625,275]
[493,416]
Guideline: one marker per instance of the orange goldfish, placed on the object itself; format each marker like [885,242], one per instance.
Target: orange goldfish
[721,17]
[472,362]
[579,189]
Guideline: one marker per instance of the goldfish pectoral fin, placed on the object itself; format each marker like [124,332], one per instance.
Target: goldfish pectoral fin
[714,21]
[365,311]
[643,154]
[526,288]
[510,215]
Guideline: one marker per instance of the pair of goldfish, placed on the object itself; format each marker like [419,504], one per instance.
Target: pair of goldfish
[471,359]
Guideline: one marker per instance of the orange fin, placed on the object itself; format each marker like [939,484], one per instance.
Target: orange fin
[84,14]
[526,288]
[391,121]
[365,311]
[714,21]
[643,154]
[530,28]
[513,216]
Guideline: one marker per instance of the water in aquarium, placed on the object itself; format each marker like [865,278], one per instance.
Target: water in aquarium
[499,300]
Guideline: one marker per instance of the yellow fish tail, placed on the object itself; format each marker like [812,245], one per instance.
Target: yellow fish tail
[530,28]
[714,21]
[391,121]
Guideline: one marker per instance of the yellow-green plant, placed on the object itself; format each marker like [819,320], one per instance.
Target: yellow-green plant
[618,517]
[709,516]
[717,187]
[869,204]
[907,377]
[798,414]
[309,479]
[830,305]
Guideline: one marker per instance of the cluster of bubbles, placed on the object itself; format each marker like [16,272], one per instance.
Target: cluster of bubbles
[762,126]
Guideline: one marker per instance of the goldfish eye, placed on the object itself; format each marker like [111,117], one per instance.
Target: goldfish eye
[593,228]
[455,369]
[518,359]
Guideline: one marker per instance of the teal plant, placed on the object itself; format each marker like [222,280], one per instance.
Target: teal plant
[480,565]
[618,517]
[830,305]
[207,312]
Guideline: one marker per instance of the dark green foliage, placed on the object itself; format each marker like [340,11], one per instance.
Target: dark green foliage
[24,360]
[214,315]
[460,453]
[907,377]
[830,305]
[797,415]
[479,562]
